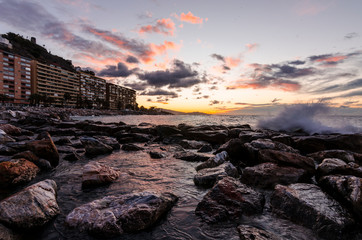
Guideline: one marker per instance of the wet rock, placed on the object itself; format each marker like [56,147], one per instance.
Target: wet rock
[4,138]
[331,166]
[5,150]
[191,144]
[32,207]
[44,148]
[18,146]
[341,154]
[10,129]
[66,124]
[308,205]
[167,130]
[229,199]
[63,141]
[205,148]
[132,137]
[248,136]
[30,156]
[17,171]
[252,233]
[235,132]
[287,159]
[156,155]
[131,147]
[96,174]
[208,176]
[114,215]
[214,161]
[210,136]
[94,147]
[110,141]
[191,156]
[347,142]
[267,175]
[234,147]
[346,189]
[72,157]
[172,139]
[283,138]
[8,234]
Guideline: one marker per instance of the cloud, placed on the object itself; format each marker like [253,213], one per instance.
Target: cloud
[229,62]
[357,83]
[297,62]
[163,26]
[132,59]
[352,94]
[121,70]
[181,75]
[214,102]
[309,7]
[190,18]
[351,35]
[275,100]
[251,47]
[146,15]
[162,48]
[136,86]
[328,59]
[160,92]
[218,57]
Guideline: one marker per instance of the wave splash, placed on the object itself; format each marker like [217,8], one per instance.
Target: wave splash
[304,117]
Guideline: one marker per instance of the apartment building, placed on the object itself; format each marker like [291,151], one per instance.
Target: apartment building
[92,89]
[119,97]
[55,82]
[15,78]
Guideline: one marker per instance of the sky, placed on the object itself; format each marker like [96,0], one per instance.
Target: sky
[223,57]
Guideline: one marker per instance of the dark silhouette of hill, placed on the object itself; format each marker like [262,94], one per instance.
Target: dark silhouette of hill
[26,48]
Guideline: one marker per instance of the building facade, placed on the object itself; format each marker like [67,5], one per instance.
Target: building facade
[119,97]
[57,84]
[15,78]
[92,89]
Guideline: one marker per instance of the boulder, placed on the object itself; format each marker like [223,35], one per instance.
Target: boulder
[131,147]
[96,174]
[123,137]
[94,147]
[4,138]
[234,147]
[332,166]
[252,233]
[210,136]
[287,159]
[214,161]
[44,148]
[63,141]
[191,144]
[341,154]
[71,157]
[5,150]
[229,200]
[114,215]
[191,156]
[17,171]
[283,138]
[267,175]
[32,207]
[30,156]
[110,141]
[10,129]
[208,176]
[308,205]
[247,136]
[346,189]
[156,154]
[310,144]
[167,130]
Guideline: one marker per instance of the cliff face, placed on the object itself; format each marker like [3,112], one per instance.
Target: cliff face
[26,48]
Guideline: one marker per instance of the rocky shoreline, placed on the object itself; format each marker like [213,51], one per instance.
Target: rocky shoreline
[314,181]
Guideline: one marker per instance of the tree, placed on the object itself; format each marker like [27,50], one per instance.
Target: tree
[79,101]
[66,98]
[35,99]
[4,98]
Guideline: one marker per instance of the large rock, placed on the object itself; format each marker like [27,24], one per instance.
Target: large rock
[96,174]
[6,150]
[191,144]
[110,141]
[229,199]
[267,175]
[234,147]
[346,189]
[30,156]
[252,233]
[167,130]
[331,166]
[94,147]
[211,134]
[287,159]
[8,234]
[131,147]
[214,161]
[10,129]
[114,215]
[4,138]
[45,148]
[341,154]
[308,205]
[17,171]
[208,176]
[32,207]
[310,144]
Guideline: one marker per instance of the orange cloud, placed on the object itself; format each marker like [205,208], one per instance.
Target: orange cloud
[331,59]
[162,48]
[190,18]
[251,47]
[284,85]
[163,26]
[232,62]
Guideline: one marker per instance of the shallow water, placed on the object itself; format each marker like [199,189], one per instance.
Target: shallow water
[141,173]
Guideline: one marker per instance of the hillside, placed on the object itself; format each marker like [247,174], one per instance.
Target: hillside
[26,48]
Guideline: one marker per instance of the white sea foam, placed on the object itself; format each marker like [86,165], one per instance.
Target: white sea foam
[311,118]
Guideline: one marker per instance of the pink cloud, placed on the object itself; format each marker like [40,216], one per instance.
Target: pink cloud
[251,47]
[190,18]
[163,26]
[308,7]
